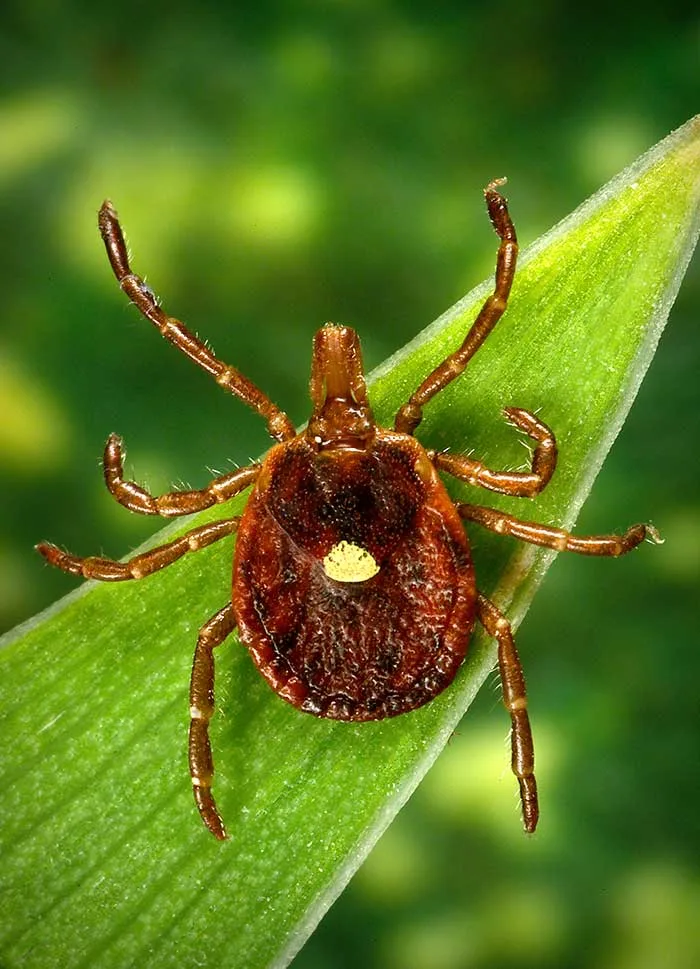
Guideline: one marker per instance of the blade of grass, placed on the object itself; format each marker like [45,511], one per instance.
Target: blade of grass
[104,861]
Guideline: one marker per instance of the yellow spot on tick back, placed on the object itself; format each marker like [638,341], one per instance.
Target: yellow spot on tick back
[347,562]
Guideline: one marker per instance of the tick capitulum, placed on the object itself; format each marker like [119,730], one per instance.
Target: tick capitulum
[353,584]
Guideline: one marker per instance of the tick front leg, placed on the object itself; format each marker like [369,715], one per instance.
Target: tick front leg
[410,415]
[107,570]
[211,635]
[517,483]
[137,499]
[515,700]
[143,297]
[558,538]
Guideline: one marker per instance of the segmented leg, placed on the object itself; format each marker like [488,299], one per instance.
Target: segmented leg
[410,415]
[107,570]
[136,498]
[558,538]
[517,483]
[515,700]
[211,635]
[279,425]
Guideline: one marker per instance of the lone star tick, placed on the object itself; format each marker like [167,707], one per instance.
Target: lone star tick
[353,585]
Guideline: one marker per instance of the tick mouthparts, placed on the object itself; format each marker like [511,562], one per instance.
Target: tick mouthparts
[337,372]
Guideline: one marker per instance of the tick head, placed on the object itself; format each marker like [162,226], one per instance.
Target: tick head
[341,416]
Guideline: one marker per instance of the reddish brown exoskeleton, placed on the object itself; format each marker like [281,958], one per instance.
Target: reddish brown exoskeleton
[353,584]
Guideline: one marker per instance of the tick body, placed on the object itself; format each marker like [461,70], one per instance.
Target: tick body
[353,585]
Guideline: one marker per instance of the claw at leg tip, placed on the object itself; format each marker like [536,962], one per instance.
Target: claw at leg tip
[653,535]
[495,184]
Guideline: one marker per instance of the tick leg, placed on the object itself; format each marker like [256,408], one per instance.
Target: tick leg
[211,635]
[136,498]
[410,415]
[107,570]
[515,700]
[557,538]
[279,425]
[517,483]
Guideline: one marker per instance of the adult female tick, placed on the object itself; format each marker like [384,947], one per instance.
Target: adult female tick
[353,585]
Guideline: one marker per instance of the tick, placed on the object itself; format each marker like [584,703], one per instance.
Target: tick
[353,584]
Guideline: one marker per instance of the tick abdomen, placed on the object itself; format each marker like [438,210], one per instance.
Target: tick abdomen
[349,649]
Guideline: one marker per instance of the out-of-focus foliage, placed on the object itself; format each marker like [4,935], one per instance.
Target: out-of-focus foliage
[276,166]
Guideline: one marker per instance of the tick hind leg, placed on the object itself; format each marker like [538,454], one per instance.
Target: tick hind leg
[143,297]
[107,570]
[515,700]
[211,635]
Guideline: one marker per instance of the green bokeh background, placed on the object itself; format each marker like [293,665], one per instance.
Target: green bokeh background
[277,165]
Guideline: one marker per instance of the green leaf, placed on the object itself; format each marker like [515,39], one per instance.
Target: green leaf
[104,860]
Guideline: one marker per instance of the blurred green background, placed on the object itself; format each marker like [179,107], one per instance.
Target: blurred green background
[277,165]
